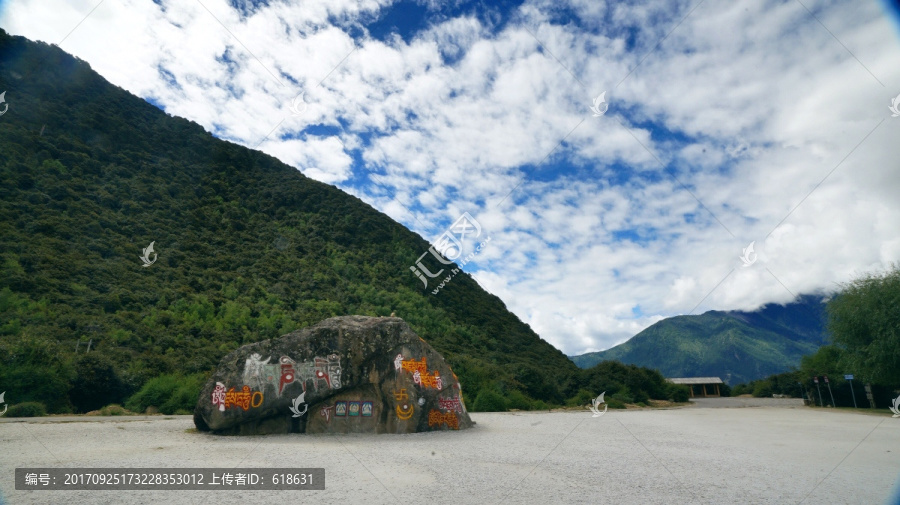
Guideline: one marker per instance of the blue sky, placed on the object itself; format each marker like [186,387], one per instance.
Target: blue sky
[727,123]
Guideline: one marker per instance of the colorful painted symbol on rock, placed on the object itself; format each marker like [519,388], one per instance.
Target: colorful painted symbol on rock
[404,408]
[412,366]
[437,418]
[428,381]
[452,404]
[419,371]
[347,409]
[243,399]
[322,372]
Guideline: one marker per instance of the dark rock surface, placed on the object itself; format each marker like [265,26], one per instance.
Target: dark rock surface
[351,374]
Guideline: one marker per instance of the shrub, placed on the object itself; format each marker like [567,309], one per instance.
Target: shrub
[678,393]
[583,397]
[489,401]
[96,383]
[624,396]
[539,405]
[168,393]
[640,396]
[516,400]
[614,403]
[740,389]
[762,389]
[115,410]
[27,409]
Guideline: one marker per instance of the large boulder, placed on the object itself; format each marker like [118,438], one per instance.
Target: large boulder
[351,374]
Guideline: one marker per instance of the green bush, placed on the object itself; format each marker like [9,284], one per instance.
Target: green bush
[27,409]
[583,397]
[740,389]
[614,403]
[539,405]
[489,400]
[516,400]
[35,368]
[762,389]
[96,383]
[168,393]
[678,393]
[624,396]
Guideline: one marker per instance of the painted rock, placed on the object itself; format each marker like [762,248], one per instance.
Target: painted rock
[351,374]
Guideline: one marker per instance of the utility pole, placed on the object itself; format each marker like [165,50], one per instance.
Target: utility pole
[816,380]
[829,391]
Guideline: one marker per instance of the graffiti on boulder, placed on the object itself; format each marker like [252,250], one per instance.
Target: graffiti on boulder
[321,372]
[404,408]
[243,399]
[437,418]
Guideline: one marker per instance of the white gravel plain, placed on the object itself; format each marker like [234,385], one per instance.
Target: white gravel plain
[755,455]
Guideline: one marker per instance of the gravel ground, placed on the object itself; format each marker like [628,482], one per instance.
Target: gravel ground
[688,455]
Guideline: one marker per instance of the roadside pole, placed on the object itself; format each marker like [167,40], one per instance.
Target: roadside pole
[869,395]
[829,391]
[849,377]
[816,380]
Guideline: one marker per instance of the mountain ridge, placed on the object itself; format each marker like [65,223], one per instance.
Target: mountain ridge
[248,248]
[736,346]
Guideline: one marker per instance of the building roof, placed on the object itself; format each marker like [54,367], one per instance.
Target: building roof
[695,380]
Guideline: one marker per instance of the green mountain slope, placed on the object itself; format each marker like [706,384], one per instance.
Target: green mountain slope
[736,346]
[248,249]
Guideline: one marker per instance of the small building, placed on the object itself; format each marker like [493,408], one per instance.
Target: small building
[700,383]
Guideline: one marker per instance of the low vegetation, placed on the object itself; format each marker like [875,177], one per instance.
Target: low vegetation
[26,409]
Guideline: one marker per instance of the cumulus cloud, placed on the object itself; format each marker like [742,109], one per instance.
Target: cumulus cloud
[728,123]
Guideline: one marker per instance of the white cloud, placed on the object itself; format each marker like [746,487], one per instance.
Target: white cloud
[749,105]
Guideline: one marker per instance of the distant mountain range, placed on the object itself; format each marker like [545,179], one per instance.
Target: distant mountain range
[736,346]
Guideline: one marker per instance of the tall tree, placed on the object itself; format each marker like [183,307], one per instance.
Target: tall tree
[864,319]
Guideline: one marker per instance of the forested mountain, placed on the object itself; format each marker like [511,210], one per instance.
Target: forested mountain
[736,346]
[248,249]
